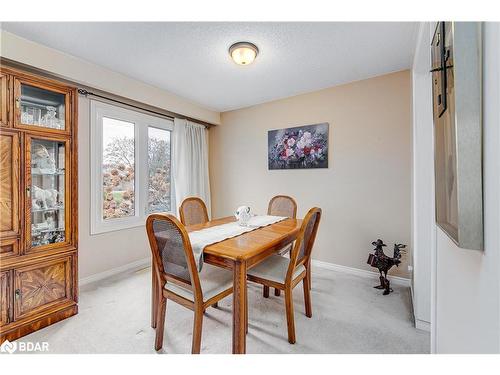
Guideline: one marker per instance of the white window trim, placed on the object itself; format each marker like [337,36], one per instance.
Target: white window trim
[141,121]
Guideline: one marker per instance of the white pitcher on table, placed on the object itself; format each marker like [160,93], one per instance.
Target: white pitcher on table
[243,215]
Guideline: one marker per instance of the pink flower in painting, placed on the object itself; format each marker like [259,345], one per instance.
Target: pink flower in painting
[299,148]
[305,140]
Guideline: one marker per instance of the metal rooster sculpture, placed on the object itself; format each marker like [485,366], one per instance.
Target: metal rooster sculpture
[385,263]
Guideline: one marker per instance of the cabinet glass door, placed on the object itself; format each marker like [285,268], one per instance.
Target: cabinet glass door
[40,107]
[47,192]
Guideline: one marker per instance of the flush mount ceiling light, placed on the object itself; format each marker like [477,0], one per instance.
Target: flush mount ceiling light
[243,53]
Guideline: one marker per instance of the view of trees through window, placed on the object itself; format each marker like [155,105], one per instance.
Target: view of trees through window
[118,177]
[159,170]
[118,169]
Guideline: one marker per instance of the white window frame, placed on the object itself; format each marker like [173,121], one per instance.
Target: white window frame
[141,122]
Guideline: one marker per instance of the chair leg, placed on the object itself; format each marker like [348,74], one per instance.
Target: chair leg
[154,298]
[266,291]
[197,326]
[307,296]
[290,321]
[309,278]
[160,322]
[277,292]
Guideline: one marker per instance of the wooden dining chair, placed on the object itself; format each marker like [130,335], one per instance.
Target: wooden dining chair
[285,273]
[281,205]
[193,211]
[177,277]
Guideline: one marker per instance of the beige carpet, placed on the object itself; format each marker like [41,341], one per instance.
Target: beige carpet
[349,316]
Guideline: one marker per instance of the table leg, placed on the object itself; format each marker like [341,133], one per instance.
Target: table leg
[239,307]
[246,310]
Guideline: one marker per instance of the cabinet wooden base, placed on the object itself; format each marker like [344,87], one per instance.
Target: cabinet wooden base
[42,322]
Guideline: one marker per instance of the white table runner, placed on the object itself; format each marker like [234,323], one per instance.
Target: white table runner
[208,236]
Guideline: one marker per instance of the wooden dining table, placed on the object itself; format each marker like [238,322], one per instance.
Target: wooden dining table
[241,253]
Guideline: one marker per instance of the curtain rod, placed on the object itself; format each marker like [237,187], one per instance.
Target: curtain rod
[83,88]
[87,93]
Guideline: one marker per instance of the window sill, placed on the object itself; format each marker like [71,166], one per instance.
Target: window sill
[119,224]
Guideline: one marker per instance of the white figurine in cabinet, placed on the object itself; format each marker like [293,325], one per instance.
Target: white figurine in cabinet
[49,119]
[50,220]
[42,161]
[35,205]
[45,198]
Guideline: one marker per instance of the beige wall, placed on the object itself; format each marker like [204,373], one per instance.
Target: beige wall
[366,191]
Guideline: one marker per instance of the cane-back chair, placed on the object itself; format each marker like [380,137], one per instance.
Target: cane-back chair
[285,273]
[177,278]
[193,211]
[281,205]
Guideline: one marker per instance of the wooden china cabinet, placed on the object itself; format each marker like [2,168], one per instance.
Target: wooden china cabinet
[38,202]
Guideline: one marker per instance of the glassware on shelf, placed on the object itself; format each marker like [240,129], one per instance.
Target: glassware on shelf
[27,115]
[37,116]
[41,237]
[40,107]
[50,120]
[47,192]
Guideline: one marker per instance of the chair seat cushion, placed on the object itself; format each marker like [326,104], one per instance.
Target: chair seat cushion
[213,280]
[274,269]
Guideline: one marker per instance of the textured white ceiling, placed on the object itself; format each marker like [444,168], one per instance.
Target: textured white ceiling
[191,59]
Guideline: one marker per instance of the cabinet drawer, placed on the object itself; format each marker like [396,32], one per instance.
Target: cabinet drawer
[5,297]
[9,247]
[41,286]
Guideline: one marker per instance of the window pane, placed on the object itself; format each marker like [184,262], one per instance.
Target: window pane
[118,168]
[159,170]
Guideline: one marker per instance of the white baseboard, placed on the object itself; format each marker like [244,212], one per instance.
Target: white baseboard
[134,266]
[359,272]
[141,263]
[419,324]
[422,325]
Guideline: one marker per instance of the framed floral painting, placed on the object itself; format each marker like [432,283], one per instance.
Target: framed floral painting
[300,147]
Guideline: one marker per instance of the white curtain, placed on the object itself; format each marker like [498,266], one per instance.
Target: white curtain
[190,162]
